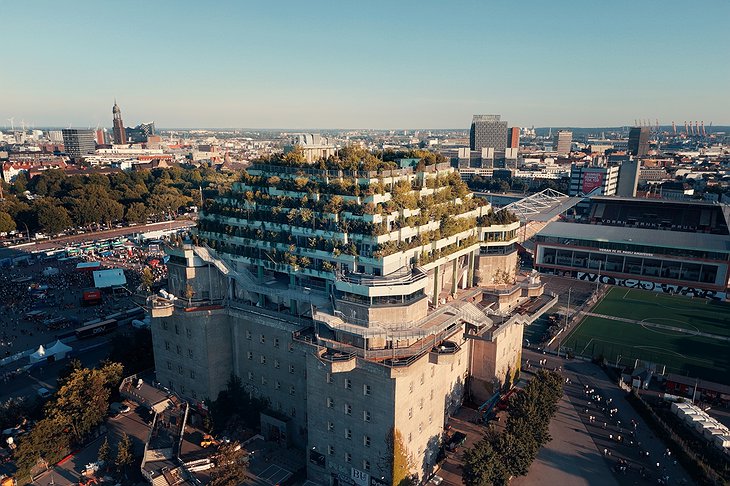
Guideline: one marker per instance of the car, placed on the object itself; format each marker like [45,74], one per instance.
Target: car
[44,392]
[436,480]
[117,408]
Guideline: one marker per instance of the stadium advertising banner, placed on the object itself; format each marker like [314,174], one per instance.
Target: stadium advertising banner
[591,180]
[653,286]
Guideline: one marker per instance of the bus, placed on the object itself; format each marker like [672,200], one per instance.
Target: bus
[96,329]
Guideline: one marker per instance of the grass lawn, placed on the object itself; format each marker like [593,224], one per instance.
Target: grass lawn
[681,352]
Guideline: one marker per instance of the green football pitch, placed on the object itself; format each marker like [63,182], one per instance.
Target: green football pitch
[689,336]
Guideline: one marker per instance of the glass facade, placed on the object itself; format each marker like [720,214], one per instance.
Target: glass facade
[639,266]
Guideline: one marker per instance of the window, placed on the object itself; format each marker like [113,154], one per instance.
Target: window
[366,390]
[167,345]
[366,416]
[433,371]
[263,359]
[179,349]
[169,365]
[180,369]
[348,384]
[410,413]
[190,353]
[192,374]
[189,333]
[164,325]
[249,355]
[410,437]
[430,419]
[263,339]
[195,395]
[277,385]
[293,411]
[348,457]
[292,390]
[248,335]
[366,465]
[330,449]
[330,426]
[291,347]
[348,434]
[250,375]
[182,388]
[329,378]
[276,364]
[348,409]
[423,378]
[410,387]
[420,427]
[366,440]
[430,395]
[263,380]
[276,342]
[291,368]
[420,404]
[330,402]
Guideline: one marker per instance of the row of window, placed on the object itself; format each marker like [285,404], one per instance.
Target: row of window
[171,385]
[168,346]
[181,370]
[262,340]
[347,408]
[348,457]
[188,332]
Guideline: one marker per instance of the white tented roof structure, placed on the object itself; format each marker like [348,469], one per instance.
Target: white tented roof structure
[59,350]
[542,206]
[109,278]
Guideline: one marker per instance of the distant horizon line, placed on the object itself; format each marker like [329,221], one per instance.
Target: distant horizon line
[680,128]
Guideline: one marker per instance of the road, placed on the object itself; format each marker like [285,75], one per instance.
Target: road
[99,235]
[584,451]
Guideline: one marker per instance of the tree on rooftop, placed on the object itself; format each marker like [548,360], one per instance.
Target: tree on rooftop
[230,468]
[124,454]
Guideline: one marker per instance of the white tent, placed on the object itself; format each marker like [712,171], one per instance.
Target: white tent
[109,278]
[58,351]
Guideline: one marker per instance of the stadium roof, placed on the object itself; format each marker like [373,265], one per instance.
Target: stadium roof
[637,236]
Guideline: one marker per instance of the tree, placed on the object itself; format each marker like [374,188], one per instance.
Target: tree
[105,453]
[83,399]
[124,454]
[53,219]
[20,182]
[147,278]
[401,461]
[230,469]
[6,222]
[136,213]
[482,465]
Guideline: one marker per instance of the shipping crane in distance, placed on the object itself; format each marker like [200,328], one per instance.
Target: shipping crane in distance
[686,131]
[12,123]
[704,133]
[674,128]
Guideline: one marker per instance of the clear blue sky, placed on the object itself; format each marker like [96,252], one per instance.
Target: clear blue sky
[369,63]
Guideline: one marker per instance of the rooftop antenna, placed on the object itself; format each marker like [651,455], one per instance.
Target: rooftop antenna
[12,123]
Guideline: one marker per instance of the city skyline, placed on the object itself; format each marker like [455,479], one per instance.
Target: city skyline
[408,65]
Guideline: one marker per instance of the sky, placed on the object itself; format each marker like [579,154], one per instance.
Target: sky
[364,64]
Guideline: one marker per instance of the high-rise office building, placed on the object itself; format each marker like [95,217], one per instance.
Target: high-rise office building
[120,135]
[639,141]
[487,131]
[513,137]
[563,142]
[78,143]
[597,180]
[352,324]
[628,177]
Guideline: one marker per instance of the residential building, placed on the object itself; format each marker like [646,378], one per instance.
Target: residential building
[513,138]
[487,131]
[312,145]
[78,142]
[563,142]
[593,179]
[350,300]
[639,141]
[628,177]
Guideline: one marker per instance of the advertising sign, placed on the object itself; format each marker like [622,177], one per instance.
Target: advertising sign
[591,180]
[361,478]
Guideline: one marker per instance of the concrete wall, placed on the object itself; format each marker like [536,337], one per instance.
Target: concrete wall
[489,265]
[193,352]
[493,356]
